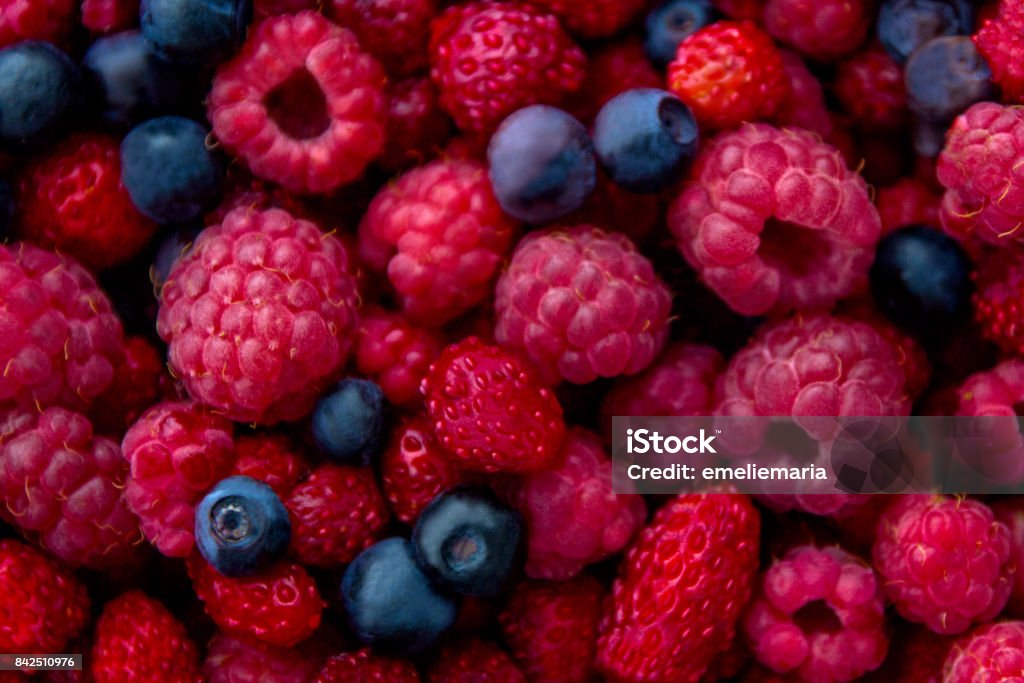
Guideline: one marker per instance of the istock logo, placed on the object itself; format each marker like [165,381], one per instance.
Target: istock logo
[642,441]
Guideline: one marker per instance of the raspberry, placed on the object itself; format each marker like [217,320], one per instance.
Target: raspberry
[978,167]
[489,59]
[613,69]
[821,29]
[395,354]
[136,386]
[272,459]
[681,382]
[490,410]
[336,513]
[907,202]
[280,606]
[137,639]
[573,515]
[594,19]
[804,104]
[363,666]
[944,561]
[177,452]
[818,612]
[394,31]
[65,487]
[1011,513]
[49,20]
[109,16]
[870,87]
[259,315]
[61,338]
[775,221]
[230,660]
[991,653]
[680,589]
[729,72]
[551,628]
[301,103]
[581,304]
[999,298]
[999,391]
[42,603]
[1001,42]
[417,127]
[440,235]
[474,661]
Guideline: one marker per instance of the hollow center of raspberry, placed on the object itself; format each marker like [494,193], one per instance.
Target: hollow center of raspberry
[817,617]
[298,106]
[793,249]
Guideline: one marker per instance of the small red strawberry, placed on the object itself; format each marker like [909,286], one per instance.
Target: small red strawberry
[474,661]
[365,667]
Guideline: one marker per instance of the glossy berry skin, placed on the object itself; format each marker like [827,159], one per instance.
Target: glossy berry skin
[542,164]
[645,139]
[474,661]
[994,652]
[348,422]
[195,32]
[363,666]
[169,171]
[40,88]
[391,604]
[672,21]
[921,279]
[944,77]
[905,25]
[469,543]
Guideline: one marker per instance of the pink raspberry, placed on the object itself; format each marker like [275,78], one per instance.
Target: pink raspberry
[395,353]
[394,31]
[945,561]
[582,303]
[681,382]
[995,392]
[612,69]
[594,18]
[574,517]
[870,87]
[301,103]
[821,29]
[804,105]
[774,221]
[233,660]
[440,235]
[259,315]
[907,202]
[1010,511]
[998,298]
[820,614]
[49,20]
[990,653]
[1001,42]
[65,487]
[108,16]
[417,127]
[272,459]
[177,452]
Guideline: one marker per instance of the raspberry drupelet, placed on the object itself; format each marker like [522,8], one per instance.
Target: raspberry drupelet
[395,353]
[417,127]
[821,29]
[773,220]
[234,660]
[869,84]
[365,667]
[271,458]
[991,653]
[394,31]
[474,661]
[999,299]
[1001,43]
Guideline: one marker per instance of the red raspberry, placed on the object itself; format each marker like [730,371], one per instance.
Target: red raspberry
[870,87]
[594,18]
[999,298]
[907,202]
[414,468]
[259,315]
[42,603]
[272,459]
[774,221]
[61,338]
[573,516]
[336,514]
[136,387]
[821,29]
[280,606]
[395,354]
[491,58]
[230,660]
[261,9]
[417,127]
[612,69]
[177,451]
[945,561]
[394,31]
[440,235]
[138,639]
[582,303]
[490,410]
[804,105]
[65,487]
[109,16]
[990,653]
[999,391]
[474,661]
[1010,511]
[551,628]
[681,382]
[978,167]
[819,613]
[49,20]
[729,72]
[363,666]
[680,590]
[301,103]
[1001,42]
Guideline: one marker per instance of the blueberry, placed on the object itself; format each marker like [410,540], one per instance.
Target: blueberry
[905,25]
[672,21]
[170,173]
[347,423]
[469,542]
[921,280]
[542,164]
[40,89]
[391,604]
[945,76]
[241,526]
[195,31]
[645,139]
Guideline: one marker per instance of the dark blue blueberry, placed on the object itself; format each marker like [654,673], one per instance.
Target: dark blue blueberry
[130,82]
[672,21]
[905,25]
[944,77]
[40,89]
[921,280]
[195,31]
[645,139]
[347,423]
[169,171]
[391,604]
[469,542]
[542,164]
[241,526]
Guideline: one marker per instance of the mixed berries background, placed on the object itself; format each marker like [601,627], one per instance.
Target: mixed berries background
[314,316]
